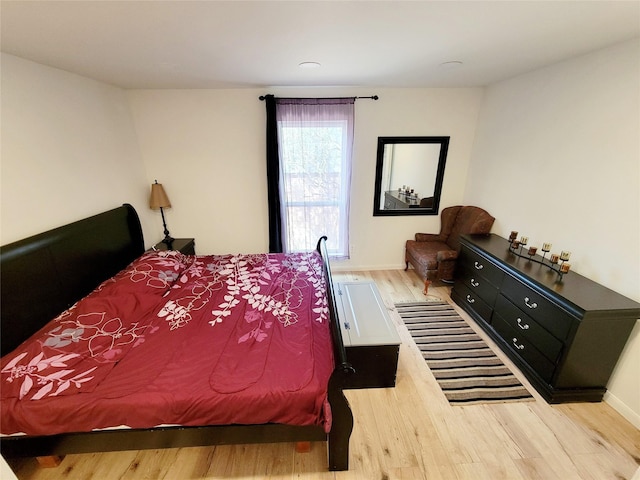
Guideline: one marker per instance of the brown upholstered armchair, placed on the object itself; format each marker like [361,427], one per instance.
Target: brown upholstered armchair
[433,256]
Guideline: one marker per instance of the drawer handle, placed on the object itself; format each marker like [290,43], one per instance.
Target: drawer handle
[474,283]
[519,346]
[470,300]
[530,305]
[523,326]
[478,266]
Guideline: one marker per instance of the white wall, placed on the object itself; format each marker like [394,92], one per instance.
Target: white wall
[414,166]
[68,150]
[557,158]
[207,148]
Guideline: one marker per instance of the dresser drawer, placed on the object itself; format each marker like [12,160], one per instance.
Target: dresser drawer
[546,313]
[389,204]
[479,285]
[477,265]
[524,348]
[473,300]
[528,328]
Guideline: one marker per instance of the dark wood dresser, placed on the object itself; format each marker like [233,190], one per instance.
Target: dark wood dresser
[564,334]
[398,201]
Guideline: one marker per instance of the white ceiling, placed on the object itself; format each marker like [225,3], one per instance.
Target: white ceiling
[236,44]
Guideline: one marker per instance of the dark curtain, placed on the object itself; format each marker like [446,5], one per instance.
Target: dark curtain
[273,178]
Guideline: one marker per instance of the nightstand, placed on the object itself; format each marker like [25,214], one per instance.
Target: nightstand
[183,245]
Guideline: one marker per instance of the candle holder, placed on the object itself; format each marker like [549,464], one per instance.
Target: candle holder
[556,263]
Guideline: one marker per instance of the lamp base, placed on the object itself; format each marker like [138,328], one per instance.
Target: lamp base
[168,241]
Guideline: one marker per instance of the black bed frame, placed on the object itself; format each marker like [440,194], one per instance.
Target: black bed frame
[43,275]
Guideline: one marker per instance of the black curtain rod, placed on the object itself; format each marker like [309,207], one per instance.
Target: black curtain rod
[372,97]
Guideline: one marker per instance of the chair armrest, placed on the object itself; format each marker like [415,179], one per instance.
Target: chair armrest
[445,255]
[430,237]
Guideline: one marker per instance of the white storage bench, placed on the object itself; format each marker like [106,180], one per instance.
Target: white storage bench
[370,338]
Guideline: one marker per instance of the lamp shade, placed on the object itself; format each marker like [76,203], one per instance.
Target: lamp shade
[158,197]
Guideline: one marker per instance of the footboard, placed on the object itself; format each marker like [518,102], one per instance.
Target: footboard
[342,424]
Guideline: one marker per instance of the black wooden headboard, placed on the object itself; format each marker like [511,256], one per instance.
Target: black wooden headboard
[43,275]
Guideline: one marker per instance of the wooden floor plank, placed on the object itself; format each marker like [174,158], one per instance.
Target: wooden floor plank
[410,432]
[192,462]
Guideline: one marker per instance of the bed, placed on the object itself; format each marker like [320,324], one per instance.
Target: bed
[107,347]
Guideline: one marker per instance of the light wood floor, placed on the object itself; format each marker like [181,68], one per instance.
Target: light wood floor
[408,432]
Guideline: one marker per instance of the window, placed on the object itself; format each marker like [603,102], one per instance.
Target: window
[315,139]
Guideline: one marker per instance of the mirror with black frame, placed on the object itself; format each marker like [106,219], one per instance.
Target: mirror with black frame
[409,174]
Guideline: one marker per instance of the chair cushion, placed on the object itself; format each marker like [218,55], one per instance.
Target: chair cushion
[426,253]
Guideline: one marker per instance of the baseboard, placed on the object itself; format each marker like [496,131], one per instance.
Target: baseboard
[622,408]
[336,267]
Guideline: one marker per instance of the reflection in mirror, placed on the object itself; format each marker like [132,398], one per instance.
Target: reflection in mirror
[409,174]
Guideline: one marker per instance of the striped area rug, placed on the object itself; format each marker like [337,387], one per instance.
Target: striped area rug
[466,369]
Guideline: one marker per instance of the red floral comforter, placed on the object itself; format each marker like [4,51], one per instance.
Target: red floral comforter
[183,340]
